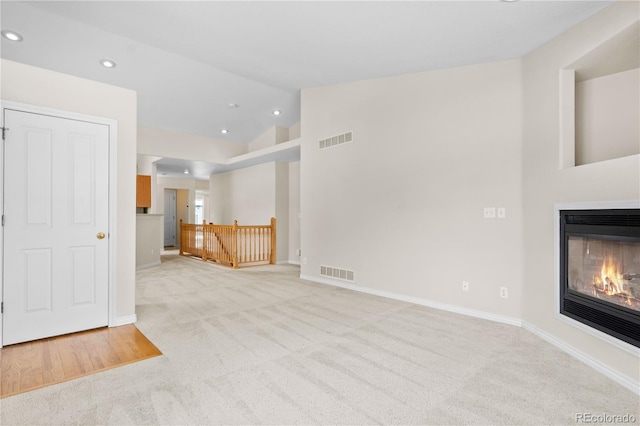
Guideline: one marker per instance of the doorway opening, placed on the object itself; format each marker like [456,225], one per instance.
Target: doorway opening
[170,198]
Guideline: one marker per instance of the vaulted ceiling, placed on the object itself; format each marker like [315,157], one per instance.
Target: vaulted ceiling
[189,60]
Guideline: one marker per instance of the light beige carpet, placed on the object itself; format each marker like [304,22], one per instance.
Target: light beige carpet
[261,346]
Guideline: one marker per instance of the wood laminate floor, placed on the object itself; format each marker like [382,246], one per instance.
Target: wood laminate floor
[32,365]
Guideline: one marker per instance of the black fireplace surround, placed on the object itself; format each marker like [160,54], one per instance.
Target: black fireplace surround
[600,270]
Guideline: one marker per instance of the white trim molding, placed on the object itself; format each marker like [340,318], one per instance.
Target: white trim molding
[131,319]
[418,301]
[148,265]
[627,382]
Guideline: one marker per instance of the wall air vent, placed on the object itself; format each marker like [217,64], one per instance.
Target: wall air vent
[336,140]
[337,273]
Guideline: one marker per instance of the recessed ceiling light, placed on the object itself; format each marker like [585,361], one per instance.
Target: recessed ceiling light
[233,106]
[107,63]
[11,35]
[277,112]
[186,171]
[224,131]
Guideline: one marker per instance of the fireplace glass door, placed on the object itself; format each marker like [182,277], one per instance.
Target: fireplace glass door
[605,269]
[600,270]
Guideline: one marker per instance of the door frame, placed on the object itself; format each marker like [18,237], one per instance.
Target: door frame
[111,232]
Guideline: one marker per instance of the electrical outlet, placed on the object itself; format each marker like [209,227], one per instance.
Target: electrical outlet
[502,213]
[503,293]
[153,251]
[465,286]
[489,212]
[305,261]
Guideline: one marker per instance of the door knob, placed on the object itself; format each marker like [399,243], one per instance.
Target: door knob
[100,235]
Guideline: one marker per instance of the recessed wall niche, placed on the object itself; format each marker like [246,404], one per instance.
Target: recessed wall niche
[600,102]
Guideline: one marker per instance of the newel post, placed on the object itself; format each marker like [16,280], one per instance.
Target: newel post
[204,240]
[272,260]
[234,236]
[181,239]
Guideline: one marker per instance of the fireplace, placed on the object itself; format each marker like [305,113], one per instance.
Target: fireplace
[600,270]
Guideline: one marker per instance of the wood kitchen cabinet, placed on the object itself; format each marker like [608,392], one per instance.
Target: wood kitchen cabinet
[143,191]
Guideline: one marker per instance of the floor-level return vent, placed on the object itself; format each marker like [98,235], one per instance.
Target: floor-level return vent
[337,273]
[336,140]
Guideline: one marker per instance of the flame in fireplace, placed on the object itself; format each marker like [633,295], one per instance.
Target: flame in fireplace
[611,276]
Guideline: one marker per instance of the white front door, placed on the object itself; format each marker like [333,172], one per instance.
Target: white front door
[56,242]
[169,217]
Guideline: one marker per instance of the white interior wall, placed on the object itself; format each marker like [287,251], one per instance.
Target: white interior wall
[149,240]
[220,199]
[173,144]
[294,131]
[272,136]
[37,86]
[282,134]
[402,205]
[294,212]
[252,196]
[282,211]
[545,184]
[202,185]
[247,195]
[267,139]
[607,117]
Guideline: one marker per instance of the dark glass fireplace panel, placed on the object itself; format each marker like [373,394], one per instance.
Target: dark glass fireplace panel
[600,270]
[606,268]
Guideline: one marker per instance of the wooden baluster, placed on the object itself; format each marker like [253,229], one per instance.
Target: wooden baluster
[229,236]
[205,243]
[181,238]
[234,235]
[273,241]
[253,245]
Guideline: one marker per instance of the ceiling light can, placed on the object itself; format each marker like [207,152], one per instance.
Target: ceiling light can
[276,112]
[224,131]
[107,63]
[11,35]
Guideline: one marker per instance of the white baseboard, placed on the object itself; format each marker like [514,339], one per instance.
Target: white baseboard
[620,344]
[294,262]
[131,319]
[148,265]
[627,382]
[415,300]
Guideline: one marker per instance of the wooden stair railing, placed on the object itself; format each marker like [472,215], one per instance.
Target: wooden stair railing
[220,242]
[233,245]
[217,240]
